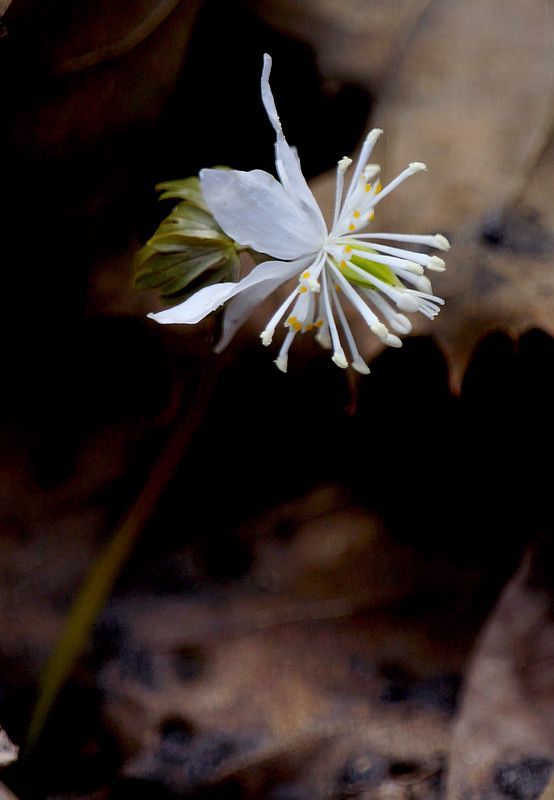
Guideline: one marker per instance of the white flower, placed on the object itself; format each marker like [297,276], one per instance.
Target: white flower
[281,218]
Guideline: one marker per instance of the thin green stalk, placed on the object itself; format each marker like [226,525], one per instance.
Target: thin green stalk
[98,584]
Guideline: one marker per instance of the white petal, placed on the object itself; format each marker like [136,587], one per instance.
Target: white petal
[198,306]
[338,356]
[267,96]
[210,298]
[286,158]
[258,285]
[254,210]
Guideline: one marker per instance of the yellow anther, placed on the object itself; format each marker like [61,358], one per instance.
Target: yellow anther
[293,323]
[368,187]
[351,227]
[348,249]
[308,327]
[306,275]
[343,264]
[318,324]
[303,290]
[337,287]
[356,215]
[378,187]
[371,215]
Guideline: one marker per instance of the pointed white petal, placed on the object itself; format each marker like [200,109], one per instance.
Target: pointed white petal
[254,210]
[198,306]
[267,95]
[286,158]
[258,285]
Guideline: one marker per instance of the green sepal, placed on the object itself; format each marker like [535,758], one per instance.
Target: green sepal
[186,189]
[188,250]
[158,261]
[183,270]
[174,241]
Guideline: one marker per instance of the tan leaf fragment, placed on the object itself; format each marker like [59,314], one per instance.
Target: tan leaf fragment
[8,751]
[5,793]
[504,733]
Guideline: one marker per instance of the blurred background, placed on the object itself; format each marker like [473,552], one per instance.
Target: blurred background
[345,589]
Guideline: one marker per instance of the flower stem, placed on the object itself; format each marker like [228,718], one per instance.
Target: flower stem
[99,582]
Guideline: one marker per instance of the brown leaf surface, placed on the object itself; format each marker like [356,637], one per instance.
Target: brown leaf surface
[126,58]
[503,741]
[472,96]
[73,36]
[354,40]
[309,675]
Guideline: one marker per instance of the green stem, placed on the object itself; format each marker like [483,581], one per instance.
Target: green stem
[98,584]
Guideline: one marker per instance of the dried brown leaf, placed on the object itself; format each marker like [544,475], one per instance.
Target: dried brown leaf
[297,677]
[472,96]
[503,739]
[354,40]
[128,58]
